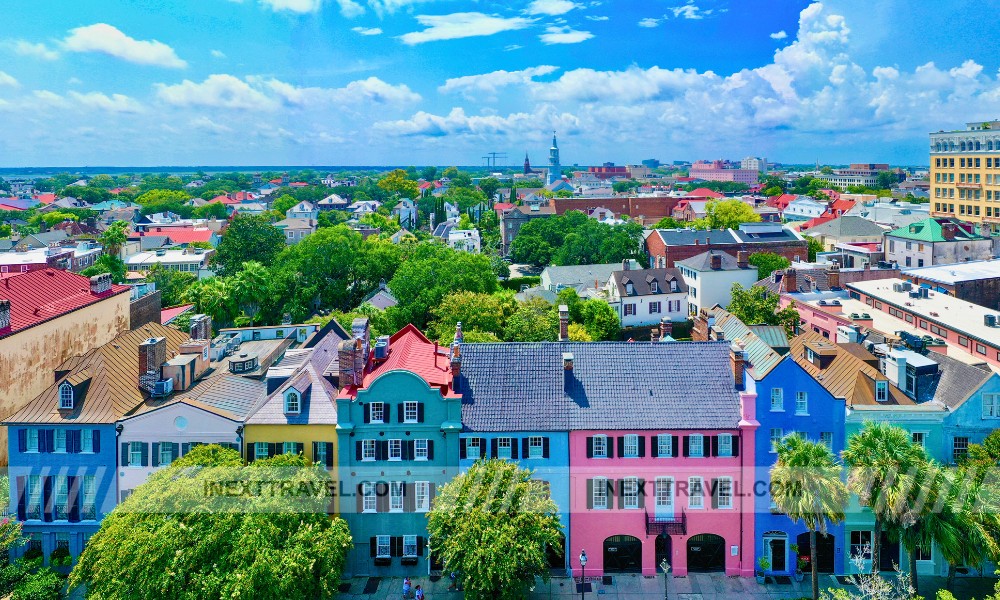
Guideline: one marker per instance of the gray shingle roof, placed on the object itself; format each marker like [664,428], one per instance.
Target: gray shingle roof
[760,356]
[583,274]
[703,262]
[847,226]
[641,280]
[957,379]
[687,237]
[613,385]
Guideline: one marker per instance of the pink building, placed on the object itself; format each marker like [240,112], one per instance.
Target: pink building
[716,171]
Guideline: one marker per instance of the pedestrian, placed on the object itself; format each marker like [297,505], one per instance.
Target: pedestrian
[454,581]
[406,588]
[419,593]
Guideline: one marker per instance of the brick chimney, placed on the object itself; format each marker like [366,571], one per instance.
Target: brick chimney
[948,230]
[456,364]
[654,335]
[152,355]
[666,327]
[736,361]
[100,284]
[790,283]
[4,315]
[563,323]
[833,275]
[742,259]
[716,262]
[201,327]
[345,363]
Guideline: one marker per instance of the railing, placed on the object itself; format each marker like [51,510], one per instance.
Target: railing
[666,525]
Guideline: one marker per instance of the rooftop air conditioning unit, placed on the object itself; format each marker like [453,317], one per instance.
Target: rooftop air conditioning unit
[163,387]
[897,287]
[990,320]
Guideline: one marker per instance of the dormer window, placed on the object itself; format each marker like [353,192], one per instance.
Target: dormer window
[292,402]
[629,289]
[65,397]
[673,285]
[654,287]
[881,391]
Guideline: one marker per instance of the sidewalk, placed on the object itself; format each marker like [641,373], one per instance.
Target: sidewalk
[696,586]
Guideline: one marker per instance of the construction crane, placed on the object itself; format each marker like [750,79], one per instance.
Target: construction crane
[491,159]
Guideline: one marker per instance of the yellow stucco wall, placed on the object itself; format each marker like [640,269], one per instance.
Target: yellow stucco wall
[29,358]
[304,434]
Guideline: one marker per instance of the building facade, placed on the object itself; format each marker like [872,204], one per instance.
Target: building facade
[965,173]
[710,277]
[936,241]
[646,296]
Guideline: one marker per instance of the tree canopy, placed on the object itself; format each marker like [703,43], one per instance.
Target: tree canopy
[726,214]
[767,263]
[248,237]
[757,306]
[575,239]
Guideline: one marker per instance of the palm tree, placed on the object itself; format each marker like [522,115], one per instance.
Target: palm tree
[930,518]
[251,287]
[807,486]
[883,465]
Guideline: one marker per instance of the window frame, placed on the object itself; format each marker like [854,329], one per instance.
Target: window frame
[536,447]
[603,439]
[778,394]
[881,390]
[59,441]
[668,444]
[505,447]
[994,406]
[60,495]
[630,493]
[293,402]
[86,441]
[381,413]
[472,449]
[406,411]
[599,492]
[421,488]
[396,494]
[956,442]
[661,494]
[395,450]
[775,440]
[166,450]
[257,448]
[802,403]
[66,393]
[728,482]
[696,482]
[383,546]
[409,541]
[826,438]
[861,544]
[292,446]
[419,453]
[700,445]
[369,497]
[31,439]
[135,454]
[367,445]
[631,445]
[88,488]
[726,451]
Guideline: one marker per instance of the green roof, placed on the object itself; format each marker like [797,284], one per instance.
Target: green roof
[930,230]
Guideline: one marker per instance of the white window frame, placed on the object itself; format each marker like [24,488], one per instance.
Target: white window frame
[368,497]
[630,493]
[777,399]
[600,493]
[603,440]
[409,546]
[504,447]
[826,438]
[536,447]
[87,441]
[775,439]
[396,496]
[89,491]
[955,446]
[664,493]
[65,397]
[802,403]
[31,439]
[367,450]
[380,406]
[383,546]
[472,449]
[411,411]
[700,445]
[631,446]
[696,500]
[60,492]
[420,451]
[923,438]
[166,453]
[422,496]
[881,391]
[320,453]
[260,450]
[865,548]
[991,406]
[33,497]
[395,450]
[135,454]
[665,441]
[725,444]
[293,402]
[655,308]
[59,440]
[725,502]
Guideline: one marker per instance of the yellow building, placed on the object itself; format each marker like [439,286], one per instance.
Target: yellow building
[47,317]
[965,174]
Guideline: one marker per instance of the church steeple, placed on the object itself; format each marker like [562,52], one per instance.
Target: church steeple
[555,171]
[527,165]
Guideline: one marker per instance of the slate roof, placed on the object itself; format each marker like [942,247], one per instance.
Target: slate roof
[771,234]
[687,237]
[703,262]
[45,294]
[518,386]
[804,278]
[641,280]
[958,380]
[847,226]
[152,242]
[583,274]
[760,356]
[930,230]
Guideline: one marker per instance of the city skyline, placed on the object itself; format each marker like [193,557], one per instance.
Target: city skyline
[347,82]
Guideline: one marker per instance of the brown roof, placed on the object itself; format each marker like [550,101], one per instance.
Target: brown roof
[105,381]
[848,373]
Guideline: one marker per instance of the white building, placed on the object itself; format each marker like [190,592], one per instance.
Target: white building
[303,210]
[465,240]
[804,208]
[645,296]
[190,260]
[710,277]
[753,163]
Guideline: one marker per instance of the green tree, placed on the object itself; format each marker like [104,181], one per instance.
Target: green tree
[533,321]
[107,263]
[600,320]
[494,524]
[397,182]
[450,172]
[193,544]
[729,214]
[621,187]
[772,191]
[171,284]
[757,306]
[486,313]
[669,223]
[114,237]
[807,487]
[53,218]
[283,203]
[248,237]
[886,180]
[767,263]
[489,187]
[814,246]
[212,210]
[251,287]
[428,173]
[165,200]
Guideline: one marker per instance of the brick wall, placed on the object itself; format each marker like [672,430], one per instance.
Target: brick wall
[145,310]
[651,209]
[655,248]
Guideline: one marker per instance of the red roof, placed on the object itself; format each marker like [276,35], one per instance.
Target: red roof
[410,350]
[703,193]
[8,207]
[685,179]
[500,207]
[781,202]
[298,184]
[45,198]
[840,207]
[275,181]
[169,314]
[45,294]
[183,235]
[817,221]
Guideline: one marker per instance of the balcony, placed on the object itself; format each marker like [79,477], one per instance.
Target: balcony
[664,525]
[969,186]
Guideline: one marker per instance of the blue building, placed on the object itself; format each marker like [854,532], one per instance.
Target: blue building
[63,444]
[789,400]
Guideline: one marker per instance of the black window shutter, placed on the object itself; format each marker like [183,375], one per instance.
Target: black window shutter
[420,545]
[590,447]
[19,482]
[675,447]
[642,446]
[144,447]
[430,450]
[462,443]
[420,412]
[272,449]
[300,448]
[706,445]
[329,454]
[73,485]
[186,447]
[368,419]
[397,545]
[50,440]
[47,499]
[409,447]
[590,493]
[545,447]
[621,445]
[409,498]
[251,453]
[736,445]
[175,451]
[360,497]
[156,455]
[382,497]
[315,448]
[399,413]
[22,440]
[686,446]
[357,450]
[125,454]
[513,447]
[641,492]
[715,445]
[493,447]
[620,485]
[430,492]
[383,449]
[609,445]
[386,412]
[373,544]
[654,446]
[715,493]
[97,440]
[524,448]
[484,450]
[75,437]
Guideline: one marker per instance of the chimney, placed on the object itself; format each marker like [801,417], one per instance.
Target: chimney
[360,330]
[716,262]
[456,364]
[666,327]
[4,314]
[100,284]
[742,259]
[152,355]
[736,362]
[833,275]
[791,285]
[948,231]
[654,335]
[201,327]
[626,264]
[567,361]
[563,323]
[345,363]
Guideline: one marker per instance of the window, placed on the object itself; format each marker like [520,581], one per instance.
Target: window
[654,287]
[991,405]
[981,349]
[382,546]
[289,448]
[409,545]
[696,498]
[629,309]
[292,402]
[396,496]
[86,440]
[600,446]
[777,399]
[664,445]
[826,438]
[422,493]
[696,445]
[920,438]
[959,448]
[377,412]
[630,492]
[135,454]
[664,492]
[367,449]
[32,440]
[536,447]
[881,391]
[260,450]
[724,492]
[368,497]
[600,493]
[925,551]
[861,544]
[410,412]
[472,448]
[65,397]
[89,509]
[166,453]
[60,440]
[776,435]
[320,456]
[395,449]
[420,450]
[631,446]
[503,448]
[62,497]
[801,403]
[725,444]
[33,495]
[655,308]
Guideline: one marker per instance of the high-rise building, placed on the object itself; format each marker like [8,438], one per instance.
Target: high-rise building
[965,174]
[753,163]
[555,171]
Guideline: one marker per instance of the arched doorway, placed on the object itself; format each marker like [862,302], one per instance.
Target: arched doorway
[664,548]
[825,550]
[557,554]
[622,554]
[776,551]
[706,553]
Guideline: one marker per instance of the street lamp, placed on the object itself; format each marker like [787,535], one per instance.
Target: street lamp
[583,580]
[665,566]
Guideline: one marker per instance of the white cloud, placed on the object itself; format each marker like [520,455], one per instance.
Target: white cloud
[295,6]
[45,98]
[116,103]
[8,80]
[218,54]
[462,25]
[218,91]
[367,30]
[512,47]
[209,126]
[551,7]
[39,50]
[489,83]
[779,35]
[388,7]
[564,35]
[74,81]
[690,11]
[598,17]
[458,123]
[649,22]
[106,39]
[350,9]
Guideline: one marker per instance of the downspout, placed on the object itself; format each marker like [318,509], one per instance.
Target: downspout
[742,496]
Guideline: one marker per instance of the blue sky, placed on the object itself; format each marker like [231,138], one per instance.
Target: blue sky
[364,82]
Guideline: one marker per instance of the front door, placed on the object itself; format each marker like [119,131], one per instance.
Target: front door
[663,551]
[825,550]
[776,552]
[888,554]
[706,553]
[622,554]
